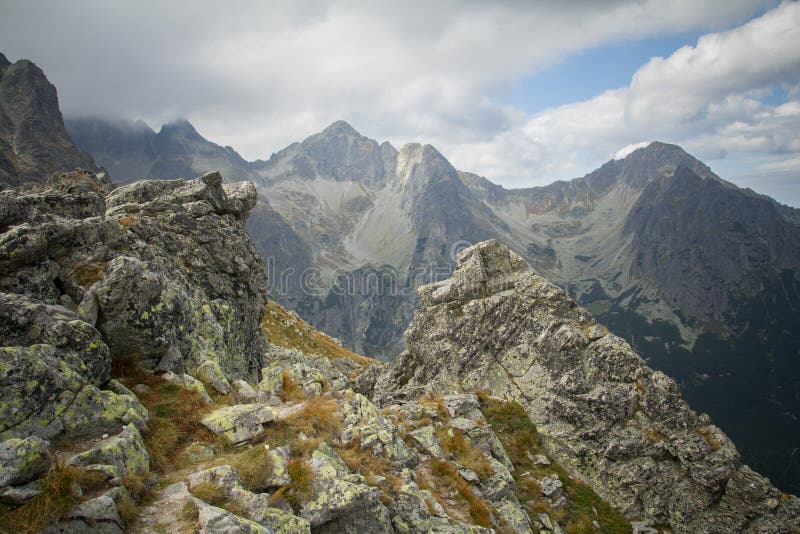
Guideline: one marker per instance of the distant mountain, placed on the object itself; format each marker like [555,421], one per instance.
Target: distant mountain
[132,150]
[33,141]
[702,276]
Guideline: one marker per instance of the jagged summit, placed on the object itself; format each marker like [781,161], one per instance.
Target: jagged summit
[340,127]
[33,141]
[181,127]
[622,427]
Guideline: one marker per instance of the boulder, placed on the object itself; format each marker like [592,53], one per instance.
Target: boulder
[125,453]
[211,373]
[240,422]
[23,460]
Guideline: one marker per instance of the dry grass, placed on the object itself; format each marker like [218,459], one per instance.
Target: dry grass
[709,438]
[128,221]
[292,392]
[55,502]
[457,444]
[254,466]
[653,435]
[371,467]
[286,330]
[425,484]
[300,488]
[128,510]
[86,274]
[447,474]
[210,493]
[437,403]
[318,419]
[175,414]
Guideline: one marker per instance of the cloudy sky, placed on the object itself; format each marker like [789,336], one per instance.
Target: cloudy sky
[522,92]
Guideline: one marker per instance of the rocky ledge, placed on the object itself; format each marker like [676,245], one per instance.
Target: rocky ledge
[601,411]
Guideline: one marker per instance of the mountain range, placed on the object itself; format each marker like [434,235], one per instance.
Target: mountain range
[699,275]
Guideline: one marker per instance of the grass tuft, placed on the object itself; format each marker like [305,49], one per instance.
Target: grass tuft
[292,392]
[446,473]
[254,466]
[54,504]
[210,493]
[456,443]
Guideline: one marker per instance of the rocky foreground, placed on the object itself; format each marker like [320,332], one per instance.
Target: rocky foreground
[147,385]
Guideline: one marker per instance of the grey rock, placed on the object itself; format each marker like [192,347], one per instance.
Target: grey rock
[125,452]
[18,495]
[210,373]
[213,520]
[497,325]
[244,391]
[23,460]
[240,422]
[98,515]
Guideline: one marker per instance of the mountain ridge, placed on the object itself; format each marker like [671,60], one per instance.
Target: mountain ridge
[354,222]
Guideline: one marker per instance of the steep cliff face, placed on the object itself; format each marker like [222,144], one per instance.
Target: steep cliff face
[619,425]
[33,140]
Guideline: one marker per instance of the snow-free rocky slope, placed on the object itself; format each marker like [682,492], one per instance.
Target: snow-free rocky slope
[699,275]
[33,141]
[148,385]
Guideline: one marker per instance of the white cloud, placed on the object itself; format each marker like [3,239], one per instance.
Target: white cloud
[258,75]
[625,151]
[704,97]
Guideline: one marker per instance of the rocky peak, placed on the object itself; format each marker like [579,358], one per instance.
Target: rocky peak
[340,128]
[182,128]
[33,141]
[616,423]
[657,159]
[338,152]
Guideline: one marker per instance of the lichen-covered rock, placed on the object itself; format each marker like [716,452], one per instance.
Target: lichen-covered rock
[244,392]
[310,380]
[211,373]
[95,516]
[512,515]
[364,422]
[416,511]
[23,460]
[159,272]
[213,520]
[335,497]
[601,411]
[125,452]
[252,507]
[240,422]
[425,437]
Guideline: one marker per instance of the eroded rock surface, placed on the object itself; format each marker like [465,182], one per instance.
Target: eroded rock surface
[603,412]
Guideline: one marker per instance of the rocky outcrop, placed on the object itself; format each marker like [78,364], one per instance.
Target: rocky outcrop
[159,275]
[163,270]
[617,424]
